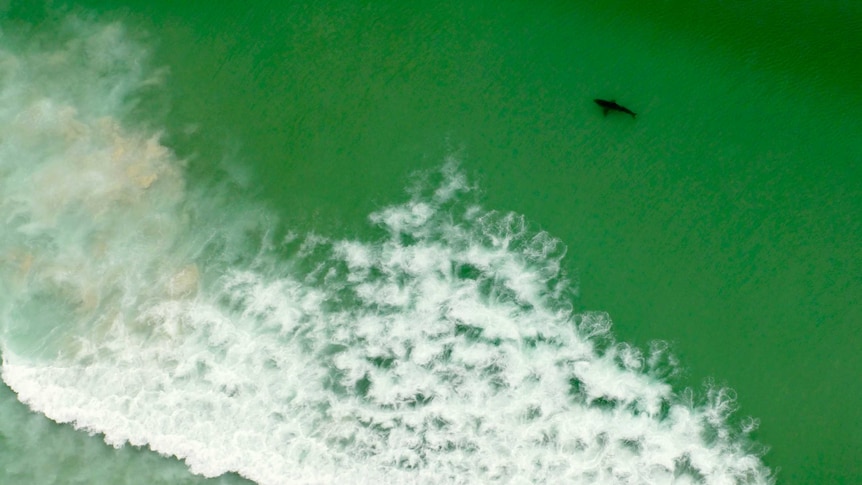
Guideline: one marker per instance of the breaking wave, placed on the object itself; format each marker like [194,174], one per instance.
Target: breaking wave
[445,350]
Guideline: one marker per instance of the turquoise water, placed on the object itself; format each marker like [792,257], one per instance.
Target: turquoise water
[366,242]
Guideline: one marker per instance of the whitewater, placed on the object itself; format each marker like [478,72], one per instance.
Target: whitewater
[155,312]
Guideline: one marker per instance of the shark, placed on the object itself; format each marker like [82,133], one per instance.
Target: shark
[613,106]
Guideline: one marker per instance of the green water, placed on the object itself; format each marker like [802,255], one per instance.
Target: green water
[724,219]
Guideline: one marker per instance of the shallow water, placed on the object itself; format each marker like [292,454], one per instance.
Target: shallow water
[305,243]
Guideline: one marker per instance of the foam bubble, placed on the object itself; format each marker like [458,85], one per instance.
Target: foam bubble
[444,351]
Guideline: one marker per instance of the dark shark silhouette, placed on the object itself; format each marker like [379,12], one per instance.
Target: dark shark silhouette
[613,106]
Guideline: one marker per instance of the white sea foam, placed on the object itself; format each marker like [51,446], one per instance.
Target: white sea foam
[444,352]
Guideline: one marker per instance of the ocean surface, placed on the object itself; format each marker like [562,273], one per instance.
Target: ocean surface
[354,242]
